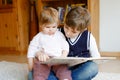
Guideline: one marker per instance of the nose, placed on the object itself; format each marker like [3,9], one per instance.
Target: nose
[50,29]
[68,32]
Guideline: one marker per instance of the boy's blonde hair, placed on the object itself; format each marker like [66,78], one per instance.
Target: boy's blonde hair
[48,16]
[78,18]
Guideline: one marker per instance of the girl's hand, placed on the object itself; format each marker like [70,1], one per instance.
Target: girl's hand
[41,56]
[64,53]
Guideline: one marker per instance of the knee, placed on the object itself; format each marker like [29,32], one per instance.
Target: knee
[93,68]
[86,71]
[63,73]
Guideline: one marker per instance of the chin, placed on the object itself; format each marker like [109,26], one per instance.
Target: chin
[67,36]
[70,36]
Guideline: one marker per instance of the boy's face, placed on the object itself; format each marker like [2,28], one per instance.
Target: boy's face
[69,32]
[49,29]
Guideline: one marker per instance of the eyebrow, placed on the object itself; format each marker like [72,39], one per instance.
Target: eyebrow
[74,30]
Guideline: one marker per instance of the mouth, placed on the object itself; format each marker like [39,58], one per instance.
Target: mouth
[51,33]
[67,36]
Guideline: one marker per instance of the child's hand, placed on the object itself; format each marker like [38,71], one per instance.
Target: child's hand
[42,56]
[64,53]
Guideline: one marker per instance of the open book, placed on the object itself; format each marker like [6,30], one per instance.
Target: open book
[71,61]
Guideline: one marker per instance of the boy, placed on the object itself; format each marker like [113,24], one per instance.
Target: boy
[82,43]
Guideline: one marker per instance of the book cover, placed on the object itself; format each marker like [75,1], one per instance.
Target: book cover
[71,61]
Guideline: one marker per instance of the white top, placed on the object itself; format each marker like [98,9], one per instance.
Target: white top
[92,47]
[53,45]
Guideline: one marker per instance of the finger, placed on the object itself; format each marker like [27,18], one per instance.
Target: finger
[41,57]
[47,57]
[44,58]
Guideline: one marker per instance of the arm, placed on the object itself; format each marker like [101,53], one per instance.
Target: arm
[65,46]
[93,47]
[32,49]
[40,56]
[30,64]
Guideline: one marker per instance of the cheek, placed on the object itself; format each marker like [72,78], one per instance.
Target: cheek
[68,34]
[45,30]
[55,29]
[66,31]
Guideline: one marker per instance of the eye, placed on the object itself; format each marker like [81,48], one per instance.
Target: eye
[47,27]
[74,32]
[54,26]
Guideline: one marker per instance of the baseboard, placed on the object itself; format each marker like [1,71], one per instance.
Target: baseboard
[12,52]
[110,54]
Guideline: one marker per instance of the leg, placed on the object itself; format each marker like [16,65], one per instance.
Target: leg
[40,71]
[30,75]
[84,71]
[62,72]
[52,76]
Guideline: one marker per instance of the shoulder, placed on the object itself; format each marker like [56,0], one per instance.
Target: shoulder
[37,36]
[92,37]
[59,33]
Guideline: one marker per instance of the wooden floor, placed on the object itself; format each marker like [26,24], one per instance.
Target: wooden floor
[110,66]
[104,66]
[14,58]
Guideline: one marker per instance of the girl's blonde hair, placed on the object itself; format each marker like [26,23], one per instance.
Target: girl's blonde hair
[48,16]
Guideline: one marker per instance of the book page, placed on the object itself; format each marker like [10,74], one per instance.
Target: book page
[71,61]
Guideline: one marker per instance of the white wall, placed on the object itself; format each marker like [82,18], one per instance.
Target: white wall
[110,25]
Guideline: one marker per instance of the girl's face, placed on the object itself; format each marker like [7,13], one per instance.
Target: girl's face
[70,33]
[49,29]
